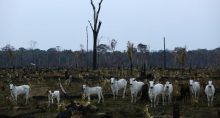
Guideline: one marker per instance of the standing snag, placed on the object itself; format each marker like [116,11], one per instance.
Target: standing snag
[95,29]
[130,47]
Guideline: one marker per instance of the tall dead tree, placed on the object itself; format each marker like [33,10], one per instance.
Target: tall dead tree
[164,53]
[95,29]
[130,47]
[87,38]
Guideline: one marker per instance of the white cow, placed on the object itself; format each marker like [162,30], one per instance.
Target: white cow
[168,90]
[194,88]
[19,90]
[116,85]
[210,91]
[93,90]
[135,87]
[154,91]
[53,95]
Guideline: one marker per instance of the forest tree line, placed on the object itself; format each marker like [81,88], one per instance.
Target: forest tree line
[141,56]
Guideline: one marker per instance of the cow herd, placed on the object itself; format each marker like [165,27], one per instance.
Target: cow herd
[156,91]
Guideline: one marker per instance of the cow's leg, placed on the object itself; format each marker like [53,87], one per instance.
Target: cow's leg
[26,97]
[168,102]
[16,99]
[58,100]
[113,93]
[89,98]
[132,97]
[151,100]
[52,99]
[116,94]
[48,100]
[155,100]
[196,95]
[208,99]
[164,98]
[124,93]
[135,97]
[99,96]
[102,97]
[212,100]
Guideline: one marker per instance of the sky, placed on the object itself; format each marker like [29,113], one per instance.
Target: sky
[191,23]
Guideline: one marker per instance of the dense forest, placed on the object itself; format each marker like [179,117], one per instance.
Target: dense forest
[107,58]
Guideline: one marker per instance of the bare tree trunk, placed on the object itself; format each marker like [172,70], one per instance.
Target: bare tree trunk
[164,53]
[95,51]
[95,29]
[87,55]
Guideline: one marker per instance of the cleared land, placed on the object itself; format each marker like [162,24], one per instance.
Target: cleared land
[38,104]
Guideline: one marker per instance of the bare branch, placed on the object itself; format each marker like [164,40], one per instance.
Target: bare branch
[94,14]
[100,23]
[99,7]
[91,25]
[97,15]
[92,4]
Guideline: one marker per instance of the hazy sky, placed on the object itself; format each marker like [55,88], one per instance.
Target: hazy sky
[194,23]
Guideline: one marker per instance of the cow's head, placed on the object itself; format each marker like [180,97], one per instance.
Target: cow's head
[112,80]
[167,85]
[11,86]
[190,82]
[151,83]
[209,84]
[132,80]
[50,92]
[83,87]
